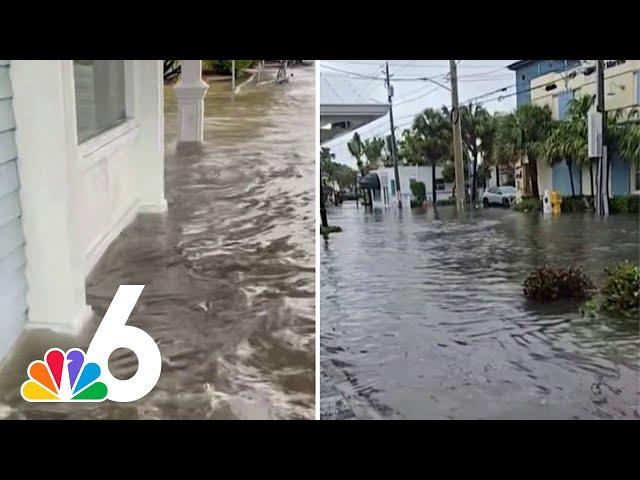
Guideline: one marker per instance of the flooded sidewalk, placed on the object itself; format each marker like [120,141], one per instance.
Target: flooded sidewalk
[229,270]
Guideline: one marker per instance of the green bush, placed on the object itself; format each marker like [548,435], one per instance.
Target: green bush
[554,283]
[625,204]
[528,204]
[449,201]
[419,191]
[223,67]
[573,204]
[621,290]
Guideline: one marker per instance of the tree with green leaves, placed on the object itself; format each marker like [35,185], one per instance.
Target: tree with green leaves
[522,134]
[373,150]
[629,144]
[568,139]
[478,128]
[433,131]
[356,149]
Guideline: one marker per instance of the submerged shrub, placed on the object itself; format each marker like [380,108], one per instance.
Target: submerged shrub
[554,283]
[529,204]
[621,290]
[419,192]
[573,204]
[625,204]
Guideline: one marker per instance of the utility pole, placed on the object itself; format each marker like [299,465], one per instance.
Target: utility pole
[393,141]
[457,138]
[233,77]
[602,200]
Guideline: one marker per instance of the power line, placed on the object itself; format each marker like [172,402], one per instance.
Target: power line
[410,65]
[334,90]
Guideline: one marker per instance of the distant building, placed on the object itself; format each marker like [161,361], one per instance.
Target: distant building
[383,184]
[555,83]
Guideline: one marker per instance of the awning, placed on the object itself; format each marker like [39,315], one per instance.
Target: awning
[370,181]
[340,119]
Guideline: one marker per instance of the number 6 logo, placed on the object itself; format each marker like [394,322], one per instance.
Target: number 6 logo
[113,334]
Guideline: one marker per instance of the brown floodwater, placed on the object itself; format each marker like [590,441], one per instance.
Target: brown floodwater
[229,270]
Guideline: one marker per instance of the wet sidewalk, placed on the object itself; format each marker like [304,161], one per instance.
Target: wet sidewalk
[229,269]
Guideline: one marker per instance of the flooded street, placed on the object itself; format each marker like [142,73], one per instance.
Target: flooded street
[229,270]
[426,318]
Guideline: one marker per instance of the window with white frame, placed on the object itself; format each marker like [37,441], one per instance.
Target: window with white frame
[100,96]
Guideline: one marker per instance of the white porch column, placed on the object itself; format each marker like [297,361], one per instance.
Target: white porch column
[149,112]
[190,91]
[46,140]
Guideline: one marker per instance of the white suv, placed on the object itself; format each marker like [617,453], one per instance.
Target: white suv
[503,196]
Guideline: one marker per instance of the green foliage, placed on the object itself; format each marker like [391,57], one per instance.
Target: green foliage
[449,172]
[528,204]
[573,204]
[223,67]
[356,149]
[419,192]
[620,293]
[625,204]
[443,203]
[621,290]
[372,148]
[341,174]
[629,143]
[554,283]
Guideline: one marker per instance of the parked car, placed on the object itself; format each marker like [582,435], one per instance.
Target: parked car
[503,196]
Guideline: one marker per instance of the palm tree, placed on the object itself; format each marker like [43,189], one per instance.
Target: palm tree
[629,143]
[372,149]
[522,134]
[568,139]
[433,130]
[477,127]
[356,149]
[410,148]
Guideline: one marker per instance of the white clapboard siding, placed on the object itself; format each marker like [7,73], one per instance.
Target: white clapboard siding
[13,284]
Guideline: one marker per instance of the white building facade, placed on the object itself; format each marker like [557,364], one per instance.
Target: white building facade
[386,195]
[81,154]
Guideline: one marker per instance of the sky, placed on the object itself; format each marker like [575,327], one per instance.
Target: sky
[475,78]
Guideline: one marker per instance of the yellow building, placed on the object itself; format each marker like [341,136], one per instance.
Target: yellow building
[622,91]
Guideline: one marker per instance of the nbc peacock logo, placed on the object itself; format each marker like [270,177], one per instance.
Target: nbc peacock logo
[63,377]
[74,376]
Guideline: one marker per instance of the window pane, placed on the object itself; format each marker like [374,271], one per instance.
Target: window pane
[100,96]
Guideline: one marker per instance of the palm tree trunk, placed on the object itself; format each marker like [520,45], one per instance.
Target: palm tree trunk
[535,192]
[433,181]
[591,178]
[474,188]
[608,166]
[570,166]
[497,175]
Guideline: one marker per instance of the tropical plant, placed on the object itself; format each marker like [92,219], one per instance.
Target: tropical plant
[477,128]
[433,132]
[171,70]
[410,148]
[629,144]
[568,139]
[621,290]
[372,149]
[356,149]
[522,134]
[223,67]
[554,283]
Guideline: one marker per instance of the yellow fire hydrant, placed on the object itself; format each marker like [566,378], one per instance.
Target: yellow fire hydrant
[556,202]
